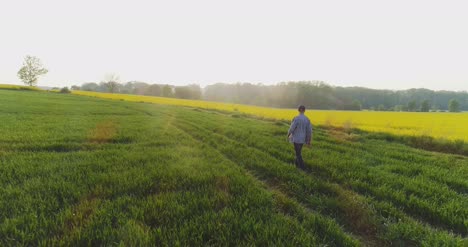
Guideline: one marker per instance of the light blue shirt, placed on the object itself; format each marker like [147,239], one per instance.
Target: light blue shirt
[300,130]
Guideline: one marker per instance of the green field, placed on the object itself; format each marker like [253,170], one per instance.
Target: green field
[77,170]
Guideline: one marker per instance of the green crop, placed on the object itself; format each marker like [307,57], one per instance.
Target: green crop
[78,170]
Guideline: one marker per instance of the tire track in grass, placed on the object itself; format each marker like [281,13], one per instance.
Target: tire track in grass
[344,146]
[325,227]
[411,220]
[322,171]
[419,217]
[222,183]
[353,214]
[365,231]
[303,218]
[404,215]
[408,208]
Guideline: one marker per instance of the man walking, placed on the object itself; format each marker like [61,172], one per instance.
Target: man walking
[300,133]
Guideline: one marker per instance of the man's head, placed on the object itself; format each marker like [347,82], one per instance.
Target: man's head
[301,109]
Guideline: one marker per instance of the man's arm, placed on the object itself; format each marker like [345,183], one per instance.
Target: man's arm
[293,127]
[309,133]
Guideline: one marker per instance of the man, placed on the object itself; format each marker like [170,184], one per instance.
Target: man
[300,133]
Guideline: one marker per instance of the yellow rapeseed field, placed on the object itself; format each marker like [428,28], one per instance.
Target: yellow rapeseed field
[450,126]
[18,87]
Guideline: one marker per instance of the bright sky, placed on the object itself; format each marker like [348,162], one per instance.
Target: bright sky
[395,44]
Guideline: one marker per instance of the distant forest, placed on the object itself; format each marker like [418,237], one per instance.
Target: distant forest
[313,94]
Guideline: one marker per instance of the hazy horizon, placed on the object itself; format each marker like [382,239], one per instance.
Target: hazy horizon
[203,86]
[382,45]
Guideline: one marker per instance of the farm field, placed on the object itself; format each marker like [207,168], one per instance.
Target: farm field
[79,170]
[17,87]
[450,126]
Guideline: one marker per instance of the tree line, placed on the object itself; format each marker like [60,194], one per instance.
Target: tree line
[319,95]
[314,94]
[192,91]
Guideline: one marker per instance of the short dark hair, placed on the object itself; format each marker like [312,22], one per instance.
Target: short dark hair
[301,108]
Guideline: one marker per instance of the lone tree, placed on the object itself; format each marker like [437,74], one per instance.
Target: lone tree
[111,82]
[454,106]
[31,70]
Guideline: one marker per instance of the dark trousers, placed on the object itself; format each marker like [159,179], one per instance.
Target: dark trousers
[298,148]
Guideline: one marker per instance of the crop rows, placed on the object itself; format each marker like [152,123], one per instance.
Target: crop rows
[438,125]
[84,171]
[451,204]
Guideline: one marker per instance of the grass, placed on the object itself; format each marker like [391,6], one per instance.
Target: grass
[445,126]
[87,171]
